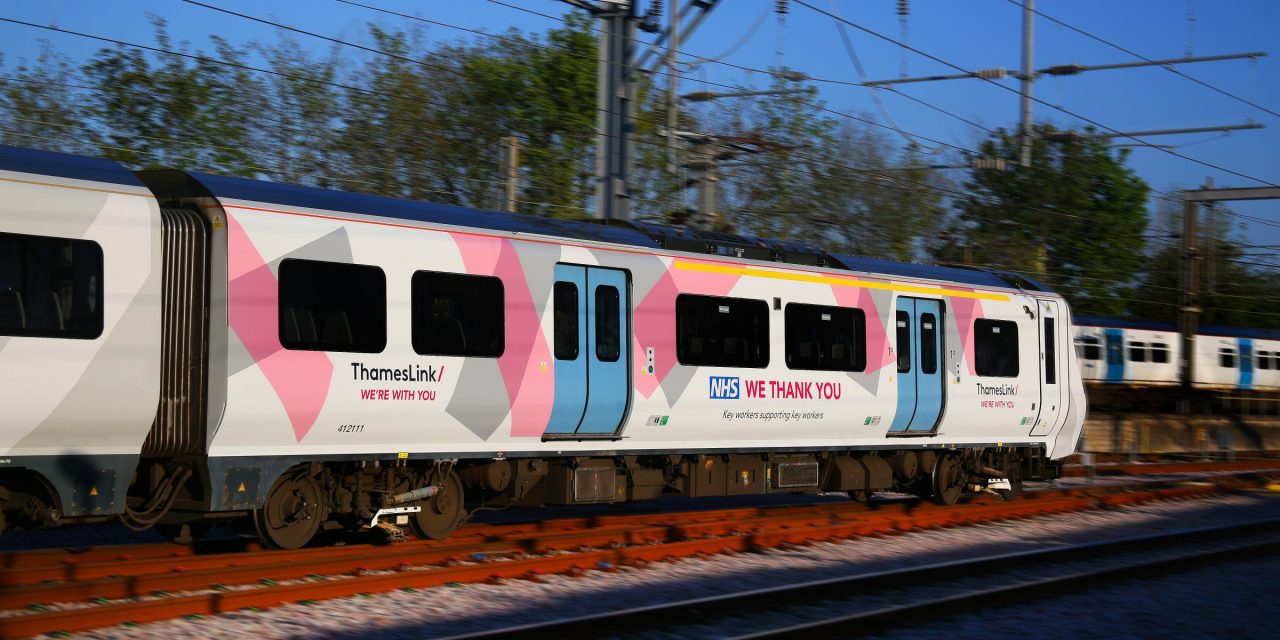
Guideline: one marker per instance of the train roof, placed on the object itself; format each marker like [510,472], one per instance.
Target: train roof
[638,234]
[65,165]
[1122,323]
[1125,323]
[630,233]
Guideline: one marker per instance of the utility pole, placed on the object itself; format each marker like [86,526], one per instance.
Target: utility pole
[613,107]
[1189,311]
[1028,77]
[673,102]
[508,172]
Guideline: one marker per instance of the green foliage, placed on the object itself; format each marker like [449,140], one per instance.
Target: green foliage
[37,105]
[1075,219]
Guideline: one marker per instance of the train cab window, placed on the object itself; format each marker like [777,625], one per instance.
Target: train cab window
[608,328]
[824,338]
[1050,352]
[1137,352]
[1227,358]
[722,332]
[995,348]
[50,287]
[565,320]
[332,306]
[458,315]
[928,343]
[1159,352]
[1089,348]
[903,320]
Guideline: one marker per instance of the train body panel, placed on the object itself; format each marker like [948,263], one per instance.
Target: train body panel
[79,312]
[295,328]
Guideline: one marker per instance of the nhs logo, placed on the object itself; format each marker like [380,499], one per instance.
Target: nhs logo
[724,388]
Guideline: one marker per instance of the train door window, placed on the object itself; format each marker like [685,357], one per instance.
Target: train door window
[608,329]
[1050,352]
[995,348]
[1264,359]
[1137,352]
[904,342]
[1159,352]
[50,287]
[332,306]
[565,320]
[825,338]
[1227,358]
[928,343]
[1089,348]
[1115,351]
[722,332]
[456,314]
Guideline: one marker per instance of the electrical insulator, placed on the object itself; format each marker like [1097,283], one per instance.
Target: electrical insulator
[655,9]
[904,7]
[987,162]
[991,74]
[783,7]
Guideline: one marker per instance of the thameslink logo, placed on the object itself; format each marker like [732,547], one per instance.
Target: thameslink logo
[725,388]
[997,389]
[411,373]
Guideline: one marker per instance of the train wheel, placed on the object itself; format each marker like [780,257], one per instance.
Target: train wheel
[443,512]
[948,480]
[293,511]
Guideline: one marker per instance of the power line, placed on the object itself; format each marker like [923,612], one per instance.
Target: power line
[1135,54]
[1095,123]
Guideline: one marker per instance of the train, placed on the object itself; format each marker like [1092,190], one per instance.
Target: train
[179,348]
[1135,353]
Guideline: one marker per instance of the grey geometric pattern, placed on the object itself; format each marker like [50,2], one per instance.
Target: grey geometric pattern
[480,402]
[331,247]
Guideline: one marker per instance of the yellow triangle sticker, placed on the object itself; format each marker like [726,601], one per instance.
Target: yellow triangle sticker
[241,489]
[93,491]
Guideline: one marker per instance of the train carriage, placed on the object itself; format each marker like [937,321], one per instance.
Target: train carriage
[318,360]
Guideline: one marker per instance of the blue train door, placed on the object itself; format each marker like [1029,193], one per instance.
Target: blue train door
[921,388]
[1246,363]
[591,320]
[1115,355]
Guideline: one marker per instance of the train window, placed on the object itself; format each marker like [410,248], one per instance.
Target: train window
[1159,352]
[903,320]
[995,348]
[332,306]
[1137,352]
[565,320]
[1050,352]
[608,329]
[50,287]
[1090,348]
[1264,359]
[826,338]
[458,315]
[928,343]
[722,332]
[1227,358]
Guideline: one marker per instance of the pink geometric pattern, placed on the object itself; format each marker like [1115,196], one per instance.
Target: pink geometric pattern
[300,378]
[878,354]
[654,320]
[530,389]
[965,310]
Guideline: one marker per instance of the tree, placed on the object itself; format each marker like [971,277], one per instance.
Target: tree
[1075,219]
[40,105]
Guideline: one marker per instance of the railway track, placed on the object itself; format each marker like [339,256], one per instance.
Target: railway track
[44,591]
[839,607]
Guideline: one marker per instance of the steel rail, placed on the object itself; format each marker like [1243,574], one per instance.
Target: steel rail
[683,615]
[749,534]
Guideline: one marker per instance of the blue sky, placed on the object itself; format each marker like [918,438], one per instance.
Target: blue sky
[972,34]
